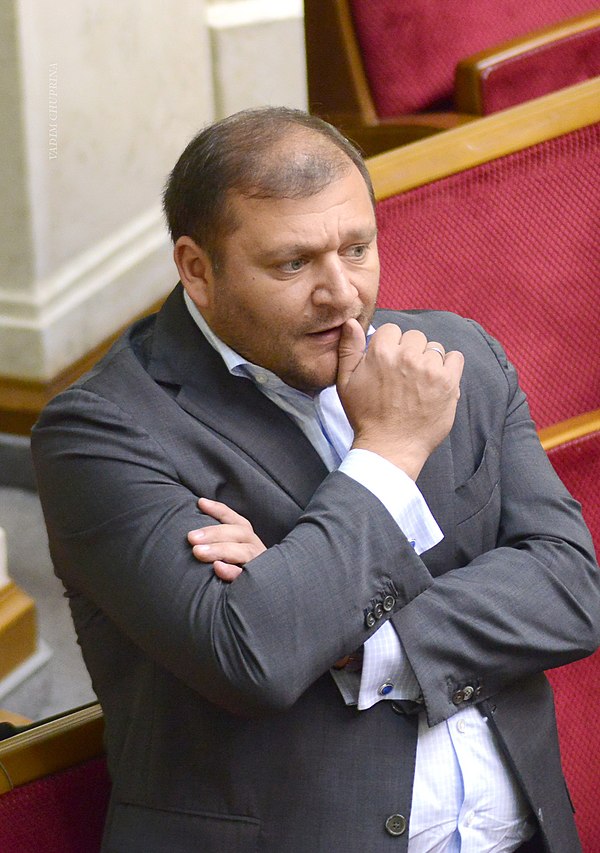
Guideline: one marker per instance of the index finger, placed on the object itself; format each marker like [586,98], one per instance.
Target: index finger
[221,512]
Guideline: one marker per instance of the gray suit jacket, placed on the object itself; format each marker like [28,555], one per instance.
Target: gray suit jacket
[225,731]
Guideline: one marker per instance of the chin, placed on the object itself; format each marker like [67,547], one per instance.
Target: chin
[311,378]
[314,384]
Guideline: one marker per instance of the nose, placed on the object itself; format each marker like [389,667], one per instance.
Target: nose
[333,287]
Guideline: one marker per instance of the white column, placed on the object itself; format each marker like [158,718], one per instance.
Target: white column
[98,99]
[258,54]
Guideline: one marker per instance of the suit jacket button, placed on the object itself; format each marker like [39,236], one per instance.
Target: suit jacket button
[395,824]
[370,619]
[460,696]
[378,610]
[388,603]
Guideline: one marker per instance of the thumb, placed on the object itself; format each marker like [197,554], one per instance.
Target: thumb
[351,349]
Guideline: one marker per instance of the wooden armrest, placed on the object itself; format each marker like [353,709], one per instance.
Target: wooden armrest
[395,131]
[570,430]
[474,71]
[51,746]
[485,139]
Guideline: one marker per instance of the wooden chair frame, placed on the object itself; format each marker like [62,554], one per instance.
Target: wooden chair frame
[472,71]
[570,430]
[338,89]
[486,139]
[49,747]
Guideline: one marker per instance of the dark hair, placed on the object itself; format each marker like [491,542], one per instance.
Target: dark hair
[246,153]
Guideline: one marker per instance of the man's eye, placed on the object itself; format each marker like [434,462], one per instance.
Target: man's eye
[357,251]
[293,266]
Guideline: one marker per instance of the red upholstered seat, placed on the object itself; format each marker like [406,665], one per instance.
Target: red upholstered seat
[388,72]
[60,813]
[410,50]
[576,460]
[577,686]
[54,785]
[515,244]
[577,698]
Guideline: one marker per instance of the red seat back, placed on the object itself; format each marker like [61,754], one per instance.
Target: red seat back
[60,813]
[410,50]
[577,686]
[512,243]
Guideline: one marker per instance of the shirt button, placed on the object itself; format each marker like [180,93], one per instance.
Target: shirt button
[261,378]
[461,726]
[385,688]
[395,824]
[469,818]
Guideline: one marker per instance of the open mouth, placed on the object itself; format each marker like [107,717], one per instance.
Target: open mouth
[330,335]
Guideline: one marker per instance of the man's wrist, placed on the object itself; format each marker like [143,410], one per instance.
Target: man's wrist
[410,461]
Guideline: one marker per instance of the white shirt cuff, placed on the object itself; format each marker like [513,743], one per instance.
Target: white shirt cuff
[399,494]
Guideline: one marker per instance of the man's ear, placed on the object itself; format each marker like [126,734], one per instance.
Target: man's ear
[195,271]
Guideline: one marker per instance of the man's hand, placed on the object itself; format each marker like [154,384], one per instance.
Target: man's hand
[227,545]
[400,395]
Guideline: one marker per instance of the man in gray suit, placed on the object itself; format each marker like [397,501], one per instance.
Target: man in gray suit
[316,580]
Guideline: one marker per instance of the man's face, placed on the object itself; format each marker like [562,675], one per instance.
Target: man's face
[291,274]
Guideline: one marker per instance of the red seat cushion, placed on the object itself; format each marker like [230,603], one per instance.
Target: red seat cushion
[410,50]
[577,698]
[577,686]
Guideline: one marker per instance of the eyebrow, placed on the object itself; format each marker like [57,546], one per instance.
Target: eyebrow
[294,250]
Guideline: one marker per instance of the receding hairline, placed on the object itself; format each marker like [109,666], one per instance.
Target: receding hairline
[299,163]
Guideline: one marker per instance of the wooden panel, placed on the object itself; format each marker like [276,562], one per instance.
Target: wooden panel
[18,628]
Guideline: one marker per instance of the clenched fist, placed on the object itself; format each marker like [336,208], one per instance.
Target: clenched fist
[400,395]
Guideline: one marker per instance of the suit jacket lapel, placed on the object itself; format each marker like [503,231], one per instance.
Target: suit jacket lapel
[231,406]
